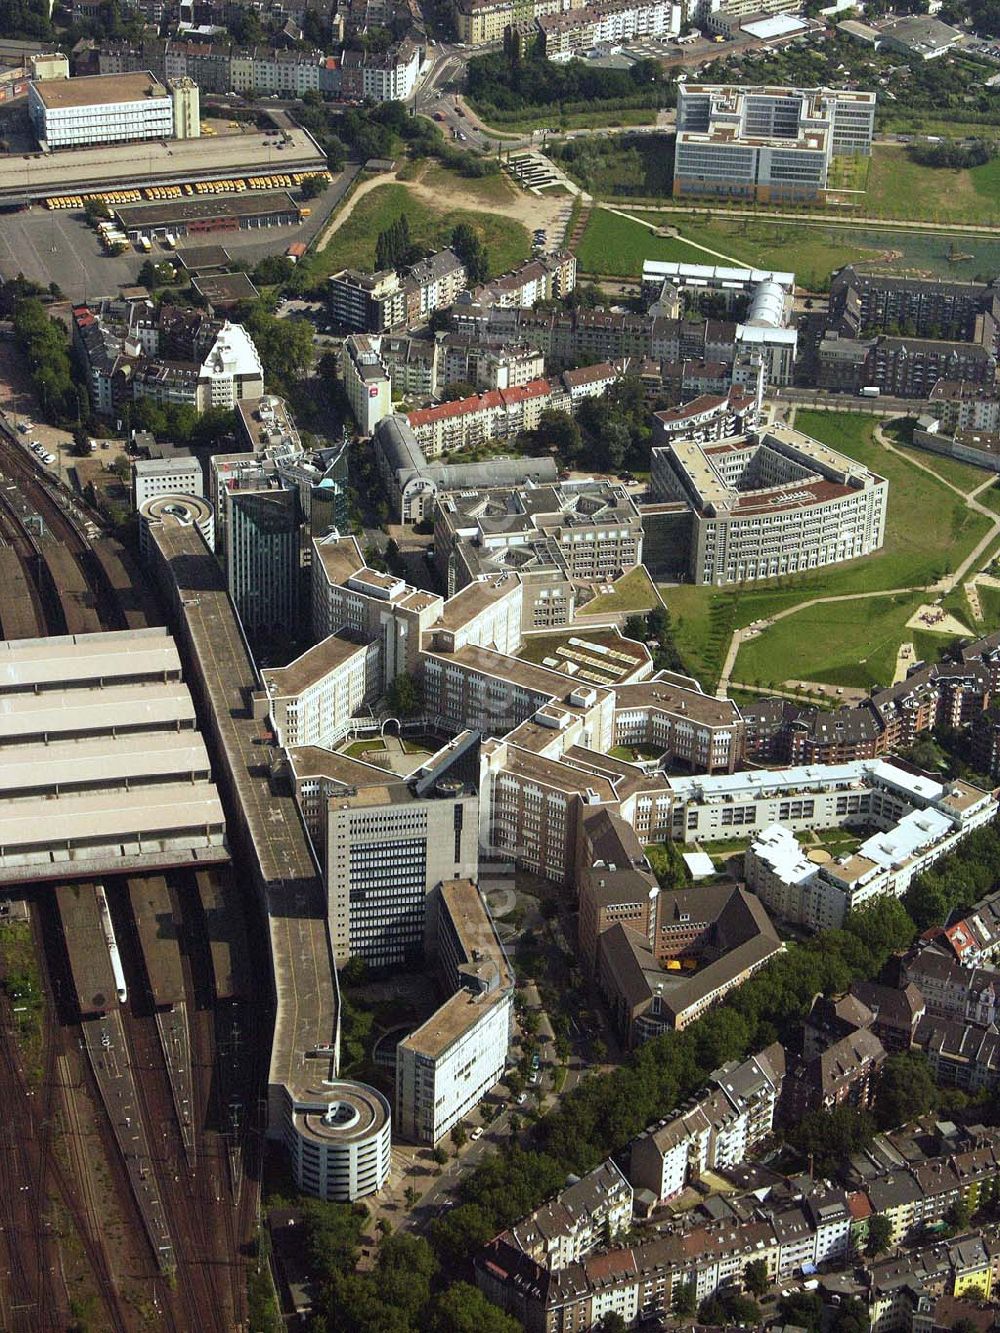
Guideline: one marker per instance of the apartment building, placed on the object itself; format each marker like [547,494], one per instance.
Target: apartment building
[708,418]
[368,302]
[376,302]
[313,699]
[469,422]
[952,991]
[582,1217]
[869,303]
[483,22]
[446,1067]
[845,1073]
[366,381]
[919,821]
[391,75]
[773,503]
[573,32]
[766,144]
[731,1117]
[542,278]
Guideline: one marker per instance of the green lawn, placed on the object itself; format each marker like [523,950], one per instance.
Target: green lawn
[485,190]
[843,643]
[617,246]
[928,532]
[963,475]
[805,250]
[634,591]
[898,187]
[990,497]
[353,246]
[990,601]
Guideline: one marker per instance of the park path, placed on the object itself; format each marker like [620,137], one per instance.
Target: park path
[824,219]
[941,587]
[644,222]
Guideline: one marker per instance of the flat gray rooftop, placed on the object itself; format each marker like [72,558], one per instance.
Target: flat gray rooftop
[304,976]
[159,936]
[26,176]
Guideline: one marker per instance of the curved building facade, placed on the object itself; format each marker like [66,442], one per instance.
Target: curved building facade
[187,511]
[339,1136]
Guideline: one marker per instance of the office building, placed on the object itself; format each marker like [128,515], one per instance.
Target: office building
[173,475]
[706,942]
[385,845]
[314,698]
[446,1067]
[772,503]
[772,145]
[73,113]
[262,555]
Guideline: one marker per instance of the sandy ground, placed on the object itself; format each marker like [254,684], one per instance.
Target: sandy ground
[904,660]
[528,209]
[937,621]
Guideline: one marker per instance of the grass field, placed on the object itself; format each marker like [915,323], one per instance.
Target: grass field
[632,592]
[498,189]
[898,187]
[808,252]
[353,246]
[617,246]
[928,532]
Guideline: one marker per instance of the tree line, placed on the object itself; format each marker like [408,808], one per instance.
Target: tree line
[514,81]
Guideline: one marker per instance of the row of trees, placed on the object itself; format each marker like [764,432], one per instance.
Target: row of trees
[513,80]
[45,344]
[949,153]
[394,247]
[656,628]
[608,433]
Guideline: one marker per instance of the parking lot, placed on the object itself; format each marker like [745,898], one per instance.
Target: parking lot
[60,247]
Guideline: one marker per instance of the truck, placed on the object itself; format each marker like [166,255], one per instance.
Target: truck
[870,391]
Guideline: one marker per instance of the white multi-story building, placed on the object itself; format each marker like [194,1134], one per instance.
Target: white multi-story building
[734,1114]
[111,108]
[313,699]
[607,23]
[771,503]
[919,820]
[767,144]
[366,381]
[582,1217]
[449,1063]
[340,1141]
[232,370]
[165,476]
[391,76]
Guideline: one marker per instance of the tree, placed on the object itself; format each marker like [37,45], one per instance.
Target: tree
[440,1154]
[404,696]
[459,1136]
[471,251]
[755,1277]
[312,185]
[804,1308]
[906,1090]
[851,1316]
[879,1235]
[612,1322]
[285,346]
[959,1215]
[411,1196]
[459,1232]
[685,1299]
[830,1136]
[392,246]
[463,1308]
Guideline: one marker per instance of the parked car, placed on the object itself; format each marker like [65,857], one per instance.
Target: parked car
[477,1133]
